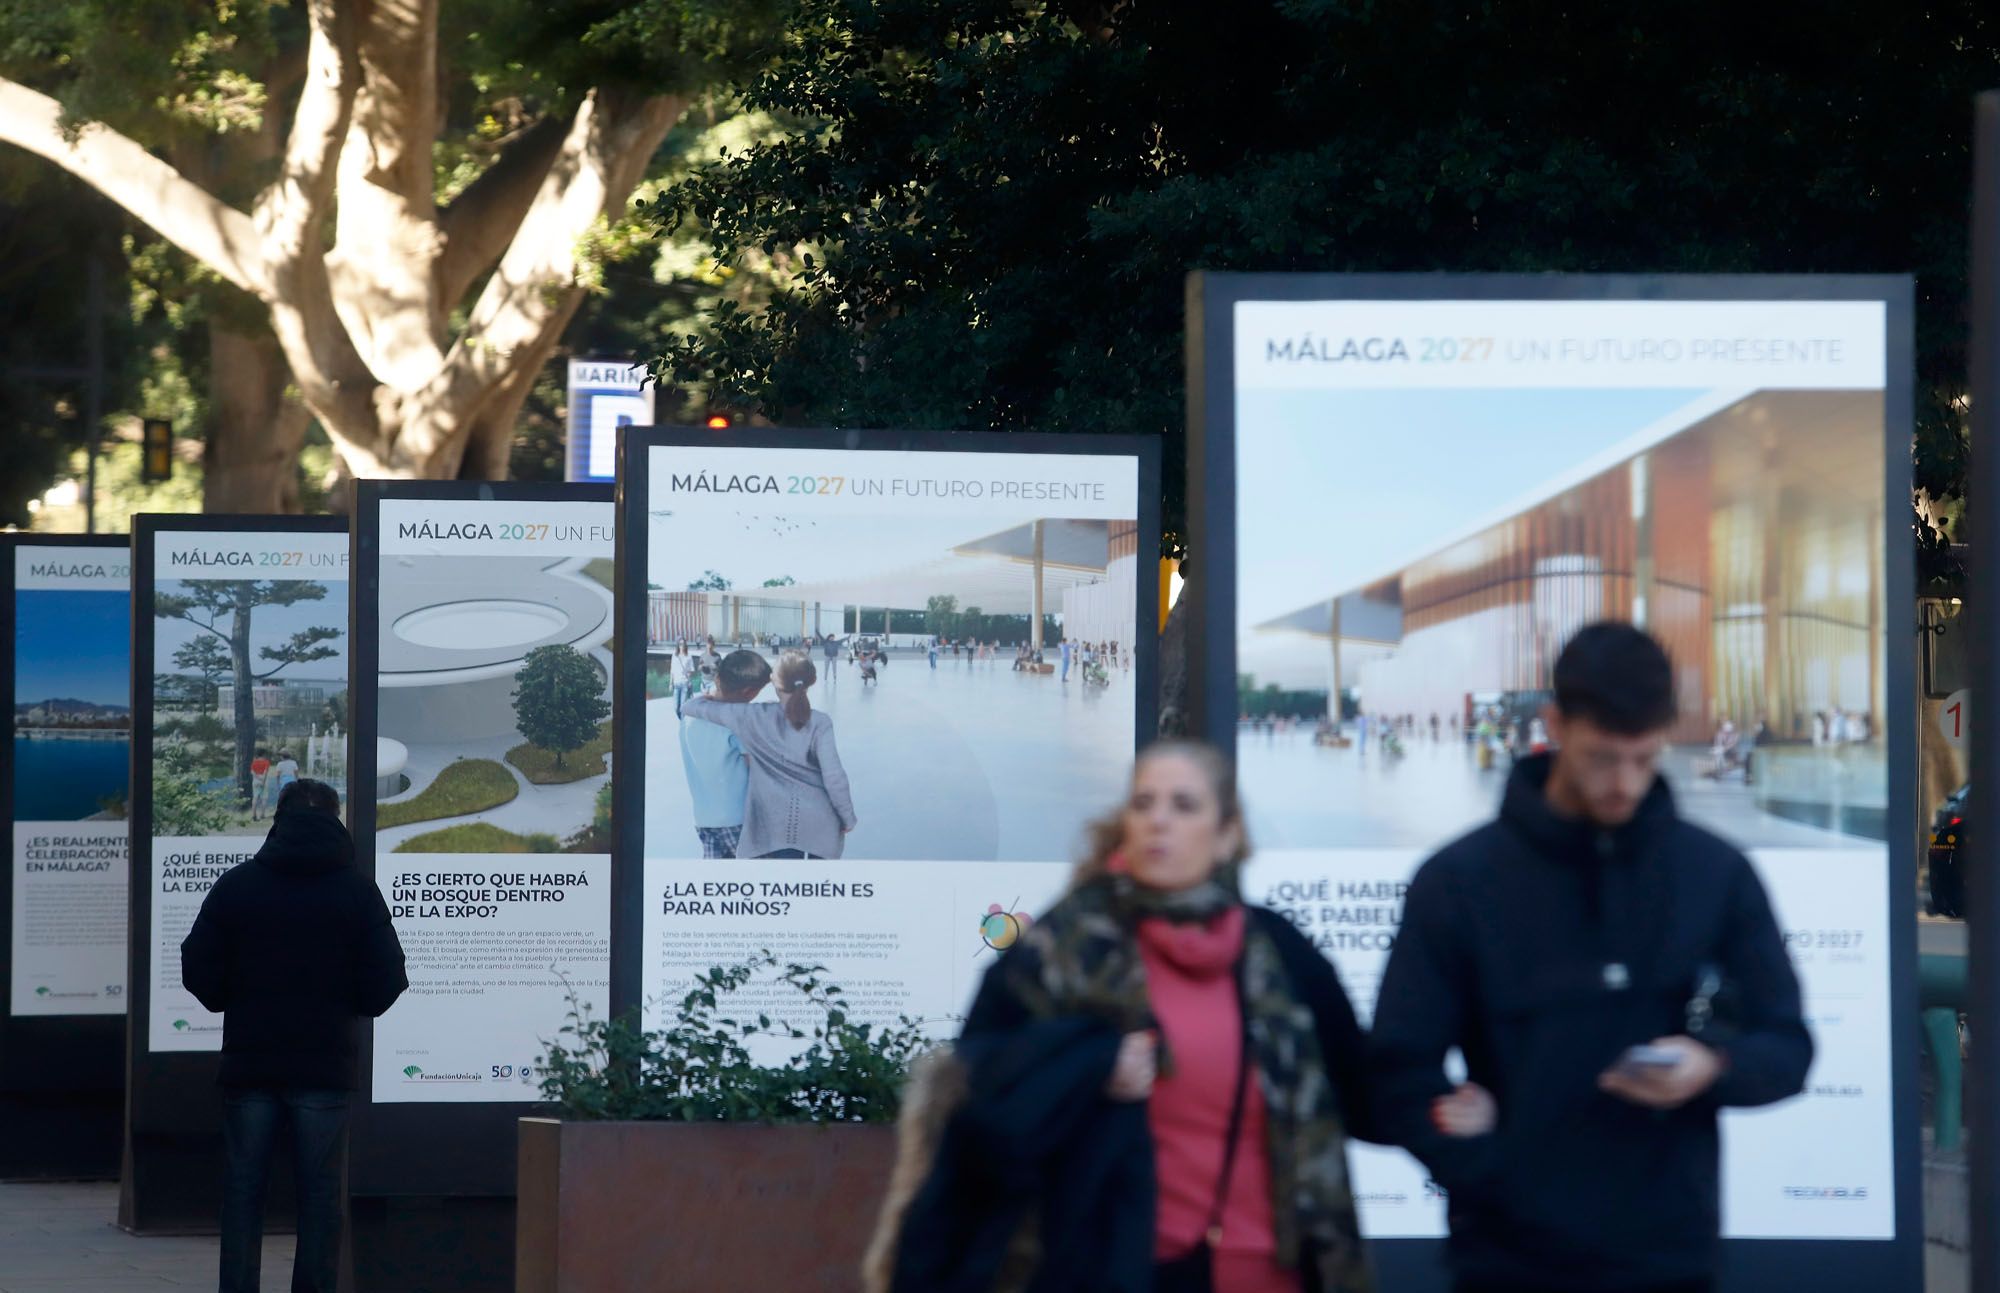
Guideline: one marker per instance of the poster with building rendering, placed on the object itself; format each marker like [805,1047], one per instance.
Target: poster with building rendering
[71,738]
[884,693]
[249,694]
[490,711]
[1434,495]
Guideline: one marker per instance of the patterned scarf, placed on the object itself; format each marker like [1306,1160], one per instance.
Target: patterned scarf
[1089,963]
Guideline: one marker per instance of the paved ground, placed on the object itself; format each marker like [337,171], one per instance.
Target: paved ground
[60,1239]
[969,761]
[1303,795]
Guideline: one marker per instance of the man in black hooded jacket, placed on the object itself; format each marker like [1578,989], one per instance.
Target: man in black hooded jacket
[1589,920]
[290,947]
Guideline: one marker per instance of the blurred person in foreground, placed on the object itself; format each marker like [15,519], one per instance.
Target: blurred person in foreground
[290,948]
[1154,1088]
[1613,978]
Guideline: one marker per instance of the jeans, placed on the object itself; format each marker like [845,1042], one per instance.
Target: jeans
[250,1122]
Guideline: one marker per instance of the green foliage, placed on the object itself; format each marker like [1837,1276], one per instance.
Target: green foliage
[596,837]
[479,837]
[941,615]
[465,786]
[547,768]
[180,805]
[710,582]
[1273,701]
[699,1068]
[782,581]
[559,699]
[989,207]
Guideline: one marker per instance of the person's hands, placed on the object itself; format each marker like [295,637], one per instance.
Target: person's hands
[1138,1064]
[849,829]
[1469,1110]
[1665,1088]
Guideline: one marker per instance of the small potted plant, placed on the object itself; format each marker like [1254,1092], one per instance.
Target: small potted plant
[681,1159]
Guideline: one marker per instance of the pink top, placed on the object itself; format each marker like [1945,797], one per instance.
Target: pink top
[1190,980]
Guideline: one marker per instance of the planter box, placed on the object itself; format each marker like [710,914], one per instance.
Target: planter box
[607,1207]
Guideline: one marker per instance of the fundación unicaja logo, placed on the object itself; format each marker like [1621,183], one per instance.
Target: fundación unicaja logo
[180,1025]
[42,991]
[412,1072]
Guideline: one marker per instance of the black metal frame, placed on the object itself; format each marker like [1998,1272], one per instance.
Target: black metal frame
[432,1148]
[629,688]
[172,1181]
[62,1077]
[1982,1097]
[1752,1264]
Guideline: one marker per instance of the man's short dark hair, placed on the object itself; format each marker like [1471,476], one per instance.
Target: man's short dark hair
[1618,678]
[308,796]
[744,671]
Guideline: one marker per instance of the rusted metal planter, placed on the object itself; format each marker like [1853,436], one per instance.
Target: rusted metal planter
[606,1207]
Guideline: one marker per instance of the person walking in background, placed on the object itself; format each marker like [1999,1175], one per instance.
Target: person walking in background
[718,773]
[1177,1072]
[1613,977]
[799,804]
[260,770]
[831,649]
[290,947]
[681,665]
[283,773]
[1063,655]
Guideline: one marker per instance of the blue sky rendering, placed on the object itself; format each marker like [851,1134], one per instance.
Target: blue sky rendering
[73,645]
[1363,479]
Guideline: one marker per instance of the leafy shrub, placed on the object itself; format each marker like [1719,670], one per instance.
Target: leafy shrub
[698,1068]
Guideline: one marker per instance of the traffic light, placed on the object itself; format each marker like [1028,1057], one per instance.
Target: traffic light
[156,452]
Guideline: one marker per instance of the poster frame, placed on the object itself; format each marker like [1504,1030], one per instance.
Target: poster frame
[628,859]
[444,1148]
[1834,1266]
[62,1077]
[171,1182]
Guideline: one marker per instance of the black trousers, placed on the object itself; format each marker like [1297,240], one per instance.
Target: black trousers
[251,1123]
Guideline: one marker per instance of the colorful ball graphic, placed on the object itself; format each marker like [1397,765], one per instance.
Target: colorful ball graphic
[1000,929]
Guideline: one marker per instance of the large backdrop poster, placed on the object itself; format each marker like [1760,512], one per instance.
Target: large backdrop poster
[1431,496]
[72,742]
[491,696]
[964,626]
[249,693]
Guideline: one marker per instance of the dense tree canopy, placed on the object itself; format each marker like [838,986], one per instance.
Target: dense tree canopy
[393,210]
[993,203]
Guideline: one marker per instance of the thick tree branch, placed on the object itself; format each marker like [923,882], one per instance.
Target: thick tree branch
[387,240]
[333,379]
[184,213]
[604,153]
[479,222]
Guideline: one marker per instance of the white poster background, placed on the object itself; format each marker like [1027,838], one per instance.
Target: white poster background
[898,938]
[70,905]
[1818,1166]
[69,877]
[185,868]
[491,959]
[492,962]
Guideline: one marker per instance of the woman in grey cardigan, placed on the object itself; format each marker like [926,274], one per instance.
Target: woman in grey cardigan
[798,805]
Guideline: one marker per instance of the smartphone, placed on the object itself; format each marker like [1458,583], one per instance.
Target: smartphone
[1649,1058]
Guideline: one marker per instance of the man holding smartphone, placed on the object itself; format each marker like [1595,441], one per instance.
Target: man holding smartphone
[1613,977]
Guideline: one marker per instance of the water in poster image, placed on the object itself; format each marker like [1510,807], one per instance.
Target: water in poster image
[65,779]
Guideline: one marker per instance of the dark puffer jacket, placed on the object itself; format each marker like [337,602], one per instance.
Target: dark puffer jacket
[290,947]
[1542,947]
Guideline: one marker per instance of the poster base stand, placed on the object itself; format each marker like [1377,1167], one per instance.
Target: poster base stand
[47,1136]
[432,1243]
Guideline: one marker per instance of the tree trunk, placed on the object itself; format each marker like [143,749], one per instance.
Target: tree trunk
[251,459]
[246,706]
